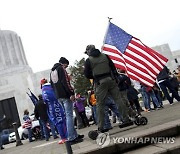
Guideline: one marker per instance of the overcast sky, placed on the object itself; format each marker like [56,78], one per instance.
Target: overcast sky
[50,29]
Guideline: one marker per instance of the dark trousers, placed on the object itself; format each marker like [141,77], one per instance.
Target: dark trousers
[102,89]
[137,105]
[84,118]
[165,85]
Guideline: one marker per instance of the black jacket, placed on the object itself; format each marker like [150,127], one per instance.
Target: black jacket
[124,82]
[60,82]
[88,69]
[164,74]
[132,93]
[40,110]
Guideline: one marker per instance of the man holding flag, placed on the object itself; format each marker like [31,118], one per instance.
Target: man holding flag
[100,68]
[128,53]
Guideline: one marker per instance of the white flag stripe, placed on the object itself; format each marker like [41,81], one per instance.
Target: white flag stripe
[113,54]
[118,63]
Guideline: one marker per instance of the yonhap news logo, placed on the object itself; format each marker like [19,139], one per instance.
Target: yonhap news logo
[104,140]
[144,140]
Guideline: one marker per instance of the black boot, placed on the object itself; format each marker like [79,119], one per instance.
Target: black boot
[103,130]
[2,147]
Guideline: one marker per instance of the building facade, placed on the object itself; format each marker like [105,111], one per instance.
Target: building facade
[15,78]
[173,56]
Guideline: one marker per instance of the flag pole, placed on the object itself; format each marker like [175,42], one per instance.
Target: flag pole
[109,19]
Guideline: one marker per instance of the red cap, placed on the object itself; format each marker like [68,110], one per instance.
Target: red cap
[43,81]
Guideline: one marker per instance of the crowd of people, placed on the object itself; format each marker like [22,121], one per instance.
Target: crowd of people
[112,92]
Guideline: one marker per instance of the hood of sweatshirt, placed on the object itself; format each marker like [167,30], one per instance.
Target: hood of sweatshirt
[55,66]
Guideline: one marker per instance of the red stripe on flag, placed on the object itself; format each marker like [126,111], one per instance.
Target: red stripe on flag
[148,52]
[126,61]
[114,55]
[143,62]
[140,69]
[159,56]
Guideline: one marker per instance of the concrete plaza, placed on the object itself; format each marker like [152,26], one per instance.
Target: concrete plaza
[163,122]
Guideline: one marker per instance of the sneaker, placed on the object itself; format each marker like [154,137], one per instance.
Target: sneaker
[161,106]
[42,138]
[80,136]
[76,140]
[172,103]
[62,141]
[158,108]
[31,140]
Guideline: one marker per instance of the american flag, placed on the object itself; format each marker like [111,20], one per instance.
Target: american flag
[128,53]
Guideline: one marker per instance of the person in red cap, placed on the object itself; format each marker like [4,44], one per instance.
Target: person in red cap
[42,82]
[55,110]
[64,92]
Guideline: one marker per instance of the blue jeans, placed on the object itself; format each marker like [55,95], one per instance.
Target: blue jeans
[110,104]
[41,128]
[147,96]
[54,134]
[159,98]
[1,143]
[154,98]
[141,90]
[68,107]
[29,134]
[45,129]
[94,113]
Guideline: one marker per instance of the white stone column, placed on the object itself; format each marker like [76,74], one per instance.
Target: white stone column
[2,59]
